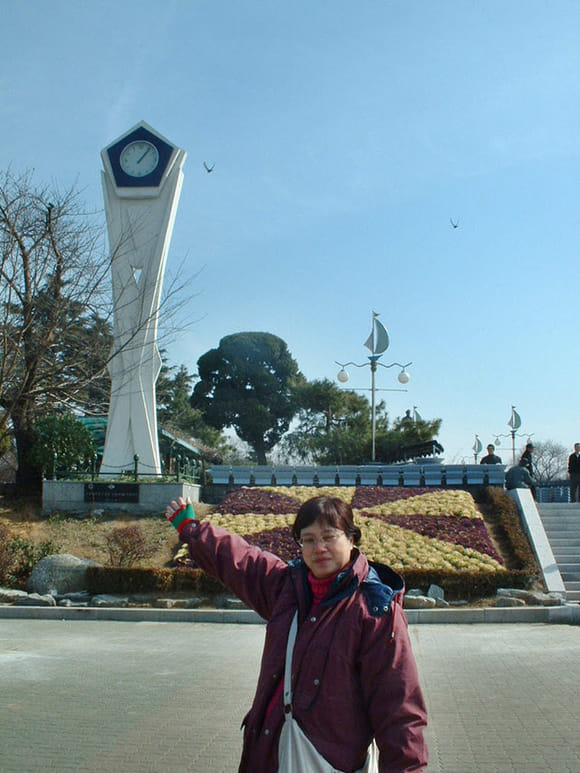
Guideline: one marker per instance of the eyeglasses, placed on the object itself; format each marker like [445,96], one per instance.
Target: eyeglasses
[327,540]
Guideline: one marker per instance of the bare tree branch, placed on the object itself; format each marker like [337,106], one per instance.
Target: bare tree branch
[56,307]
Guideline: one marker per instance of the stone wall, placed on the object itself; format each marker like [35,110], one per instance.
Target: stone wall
[69,496]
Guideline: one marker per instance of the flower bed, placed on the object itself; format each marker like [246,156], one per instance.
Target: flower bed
[428,536]
[413,527]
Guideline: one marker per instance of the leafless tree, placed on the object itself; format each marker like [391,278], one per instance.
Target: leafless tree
[55,308]
[550,461]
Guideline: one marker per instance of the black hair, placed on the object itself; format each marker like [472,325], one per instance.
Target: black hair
[331,510]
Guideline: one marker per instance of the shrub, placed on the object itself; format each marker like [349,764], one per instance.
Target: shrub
[18,557]
[6,558]
[127,545]
[509,525]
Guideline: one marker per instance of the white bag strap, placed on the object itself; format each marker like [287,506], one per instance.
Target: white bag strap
[288,667]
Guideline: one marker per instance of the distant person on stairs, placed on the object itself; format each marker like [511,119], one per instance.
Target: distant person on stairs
[574,473]
[519,477]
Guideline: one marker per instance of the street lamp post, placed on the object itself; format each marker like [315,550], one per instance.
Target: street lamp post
[514,423]
[378,343]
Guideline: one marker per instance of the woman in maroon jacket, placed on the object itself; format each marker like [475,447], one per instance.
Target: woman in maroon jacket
[354,676]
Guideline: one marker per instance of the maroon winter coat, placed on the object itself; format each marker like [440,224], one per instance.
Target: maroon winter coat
[354,675]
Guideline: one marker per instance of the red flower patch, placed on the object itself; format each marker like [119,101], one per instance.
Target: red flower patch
[370,496]
[255,500]
[278,541]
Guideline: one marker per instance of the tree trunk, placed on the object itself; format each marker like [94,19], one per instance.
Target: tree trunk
[260,450]
[28,478]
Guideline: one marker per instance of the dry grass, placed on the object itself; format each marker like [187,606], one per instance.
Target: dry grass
[87,537]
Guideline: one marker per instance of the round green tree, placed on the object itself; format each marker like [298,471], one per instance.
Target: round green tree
[61,442]
[248,383]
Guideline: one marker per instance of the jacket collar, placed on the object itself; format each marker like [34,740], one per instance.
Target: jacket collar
[379,583]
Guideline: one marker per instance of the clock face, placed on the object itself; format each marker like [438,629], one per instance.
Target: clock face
[139,158]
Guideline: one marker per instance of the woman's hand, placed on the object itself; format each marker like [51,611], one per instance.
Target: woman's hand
[180,512]
[175,507]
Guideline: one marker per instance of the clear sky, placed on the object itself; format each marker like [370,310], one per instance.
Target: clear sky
[345,136]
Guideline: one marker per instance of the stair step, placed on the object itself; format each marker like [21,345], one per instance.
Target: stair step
[550,505]
[575,541]
[566,516]
[560,516]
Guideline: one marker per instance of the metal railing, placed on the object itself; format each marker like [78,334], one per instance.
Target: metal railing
[424,475]
[183,469]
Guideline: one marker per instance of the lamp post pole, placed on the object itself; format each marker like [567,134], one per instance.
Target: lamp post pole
[378,343]
[515,423]
[373,408]
[477,447]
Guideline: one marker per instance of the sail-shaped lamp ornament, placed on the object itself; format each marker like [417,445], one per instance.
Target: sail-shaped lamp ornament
[515,421]
[378,341]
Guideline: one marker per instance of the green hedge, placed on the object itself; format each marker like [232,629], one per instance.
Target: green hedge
[467,585]
[112,580]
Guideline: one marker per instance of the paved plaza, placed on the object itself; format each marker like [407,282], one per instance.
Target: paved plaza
[143,697]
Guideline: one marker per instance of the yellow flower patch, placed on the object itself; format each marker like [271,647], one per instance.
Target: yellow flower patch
[452,503]
[304,493]
[403,549]
[251,523]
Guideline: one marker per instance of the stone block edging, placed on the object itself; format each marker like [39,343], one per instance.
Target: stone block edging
[567,614]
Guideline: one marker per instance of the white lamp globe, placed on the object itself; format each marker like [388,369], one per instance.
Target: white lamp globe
[342,376]
[403,377]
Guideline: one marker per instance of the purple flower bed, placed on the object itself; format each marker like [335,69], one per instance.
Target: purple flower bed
[467,532]
[253,500]
[278,541]
[369,496]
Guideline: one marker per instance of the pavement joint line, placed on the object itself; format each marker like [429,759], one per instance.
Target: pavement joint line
[566,614]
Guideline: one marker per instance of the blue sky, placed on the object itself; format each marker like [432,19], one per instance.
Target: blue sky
[344,136]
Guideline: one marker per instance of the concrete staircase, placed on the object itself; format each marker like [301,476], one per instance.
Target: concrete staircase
[562,525]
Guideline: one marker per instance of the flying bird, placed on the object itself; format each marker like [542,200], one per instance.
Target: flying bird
[455,225]
[208,169]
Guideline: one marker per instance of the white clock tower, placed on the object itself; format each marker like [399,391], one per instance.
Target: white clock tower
[142,182]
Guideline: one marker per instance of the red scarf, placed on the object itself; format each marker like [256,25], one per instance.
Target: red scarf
[319,588]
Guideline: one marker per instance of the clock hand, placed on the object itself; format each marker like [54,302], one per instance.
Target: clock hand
[143,156]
